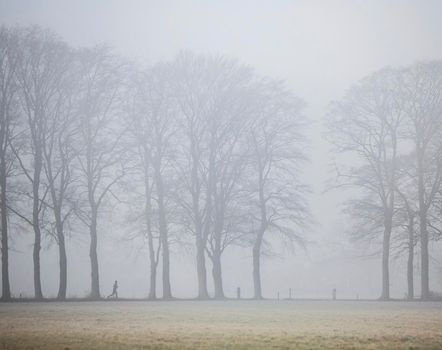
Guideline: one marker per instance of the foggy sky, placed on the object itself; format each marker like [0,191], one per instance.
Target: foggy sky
[319,47]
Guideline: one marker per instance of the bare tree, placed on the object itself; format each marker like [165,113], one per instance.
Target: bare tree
[154,128]
[228,121]
[407,214]
[276,154]
[213,95]
[410,216]
[142,209]
[42,62]
[140,153]
[192,86]
[99,147]
[422,99]
[59,155]
[162,113]
[8,120]
[366,124]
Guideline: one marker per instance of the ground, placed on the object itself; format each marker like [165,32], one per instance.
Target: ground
[221,325]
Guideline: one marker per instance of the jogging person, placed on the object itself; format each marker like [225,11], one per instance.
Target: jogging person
[114,291]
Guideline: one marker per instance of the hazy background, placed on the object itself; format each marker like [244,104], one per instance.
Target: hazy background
[319,48]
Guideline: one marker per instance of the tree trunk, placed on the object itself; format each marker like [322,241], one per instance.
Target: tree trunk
[217,251]
[410,282]
[257,268]
[201,268]
[388,223]
[63,268]
[153,267]
[148,214]
[385,264]
[167,293]
[200,242]
[208,222]
[217,275]
[95,280]
[425,287]
[6,289]
[36,258]
[153,280]
[57,203]
[36,225]
[259,238]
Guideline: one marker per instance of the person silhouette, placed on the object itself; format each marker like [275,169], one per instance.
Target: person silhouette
[114,291]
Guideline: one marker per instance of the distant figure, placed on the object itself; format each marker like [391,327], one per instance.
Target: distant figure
[334,294]
[114,291]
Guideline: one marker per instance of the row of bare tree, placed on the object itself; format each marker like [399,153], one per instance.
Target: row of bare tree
[198,149]
[391,123]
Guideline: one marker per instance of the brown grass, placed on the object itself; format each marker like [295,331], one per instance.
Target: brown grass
[221,325]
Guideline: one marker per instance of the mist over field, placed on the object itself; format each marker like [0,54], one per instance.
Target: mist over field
[203,150]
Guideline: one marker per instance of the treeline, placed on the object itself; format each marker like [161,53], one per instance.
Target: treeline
[391,123]
[200,149]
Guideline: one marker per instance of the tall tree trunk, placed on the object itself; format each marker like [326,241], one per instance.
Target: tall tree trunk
[410,264]
[200,242]
[207,226]
[201,267]
[385,295]
[260,236]
[6,289]
[217,274]
[217,251]
[167,292]
[153,263]
[257,267]
[36,258]
[153,279]
[63,267]
[425,285]
[36,224]
[95,280]
[148,214]
[388,221]
[4,143]
[57,203]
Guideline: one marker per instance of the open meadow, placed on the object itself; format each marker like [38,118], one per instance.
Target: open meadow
[221,325]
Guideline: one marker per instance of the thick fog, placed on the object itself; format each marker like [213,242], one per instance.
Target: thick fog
[320,49]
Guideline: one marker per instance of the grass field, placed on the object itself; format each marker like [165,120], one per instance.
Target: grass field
[221,325]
